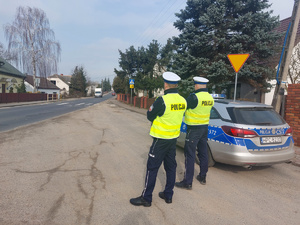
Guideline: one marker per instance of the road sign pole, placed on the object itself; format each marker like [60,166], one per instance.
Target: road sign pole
[131,84]
[237,61]
[235,85]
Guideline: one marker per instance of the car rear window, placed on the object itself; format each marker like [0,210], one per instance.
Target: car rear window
[255,116]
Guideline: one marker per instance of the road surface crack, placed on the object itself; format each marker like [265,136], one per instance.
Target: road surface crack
[96,175]
[50,172]
[54,209]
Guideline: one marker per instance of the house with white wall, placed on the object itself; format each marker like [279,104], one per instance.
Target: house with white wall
[90,90]
[62,82]
[157,71]
[42,85]
[295,61]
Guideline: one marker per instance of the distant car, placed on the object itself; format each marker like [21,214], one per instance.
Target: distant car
[113,93]
[246,134]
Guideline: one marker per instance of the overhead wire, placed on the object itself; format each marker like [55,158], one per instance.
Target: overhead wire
[170,12]
[159,38]
[156,18]
[164,15]
[173,18]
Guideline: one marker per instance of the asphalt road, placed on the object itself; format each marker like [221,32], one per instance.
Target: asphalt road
[12,117]
[83,167]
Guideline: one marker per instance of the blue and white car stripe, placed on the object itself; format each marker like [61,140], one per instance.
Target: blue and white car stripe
[216,134]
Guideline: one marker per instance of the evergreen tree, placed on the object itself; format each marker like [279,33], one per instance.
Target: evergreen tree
[140,64]
[78,82]
[119,85]
[21,88]
[210,30]
[108,85]
[105,84]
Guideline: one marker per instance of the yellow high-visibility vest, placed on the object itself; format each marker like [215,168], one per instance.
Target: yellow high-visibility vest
[200,115]
[168,125]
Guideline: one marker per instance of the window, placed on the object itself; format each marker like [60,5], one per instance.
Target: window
[255,116]
[214,114]
[53,82]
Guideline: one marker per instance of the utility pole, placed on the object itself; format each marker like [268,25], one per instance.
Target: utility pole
[283,69]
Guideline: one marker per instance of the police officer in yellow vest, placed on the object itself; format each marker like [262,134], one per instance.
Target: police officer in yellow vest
[197,116]
[166,115]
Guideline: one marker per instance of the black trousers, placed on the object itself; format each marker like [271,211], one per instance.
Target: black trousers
[161,150]
[196,138]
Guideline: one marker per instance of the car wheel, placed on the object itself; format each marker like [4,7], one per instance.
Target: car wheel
[211,161]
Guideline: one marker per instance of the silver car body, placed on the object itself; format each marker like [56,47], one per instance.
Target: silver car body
[245,151]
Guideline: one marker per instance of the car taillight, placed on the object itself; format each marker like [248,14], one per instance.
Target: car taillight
[237,132]
[289,132]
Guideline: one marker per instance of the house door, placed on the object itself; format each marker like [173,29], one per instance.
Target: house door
[3,88]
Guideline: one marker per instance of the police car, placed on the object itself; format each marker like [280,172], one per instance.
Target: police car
[246,134]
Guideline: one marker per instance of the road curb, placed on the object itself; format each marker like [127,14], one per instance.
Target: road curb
[129,107]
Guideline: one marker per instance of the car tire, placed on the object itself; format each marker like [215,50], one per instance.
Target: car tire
[211,161]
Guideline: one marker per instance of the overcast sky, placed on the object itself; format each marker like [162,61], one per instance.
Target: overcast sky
[91,31]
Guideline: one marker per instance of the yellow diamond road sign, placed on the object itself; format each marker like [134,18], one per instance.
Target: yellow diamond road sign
[237,60]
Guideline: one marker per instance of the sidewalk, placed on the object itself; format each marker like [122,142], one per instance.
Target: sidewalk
[296,160]
[129,107]
[13,104]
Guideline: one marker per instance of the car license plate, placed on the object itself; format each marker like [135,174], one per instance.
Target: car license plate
[270,140]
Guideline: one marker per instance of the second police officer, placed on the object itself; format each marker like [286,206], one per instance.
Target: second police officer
[197,116]
[166,115]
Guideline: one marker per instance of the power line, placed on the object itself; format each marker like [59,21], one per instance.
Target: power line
[161,19]
[154,20]
[167,32]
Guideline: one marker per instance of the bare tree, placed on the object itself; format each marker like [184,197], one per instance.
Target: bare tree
[2,50]
[6,55]
[294,68]
[33,42]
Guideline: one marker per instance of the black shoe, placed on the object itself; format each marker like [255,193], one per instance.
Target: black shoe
[162,195]
[140,201]
[202,179]
[182,184]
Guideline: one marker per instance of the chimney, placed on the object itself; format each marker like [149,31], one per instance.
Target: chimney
[61,74]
